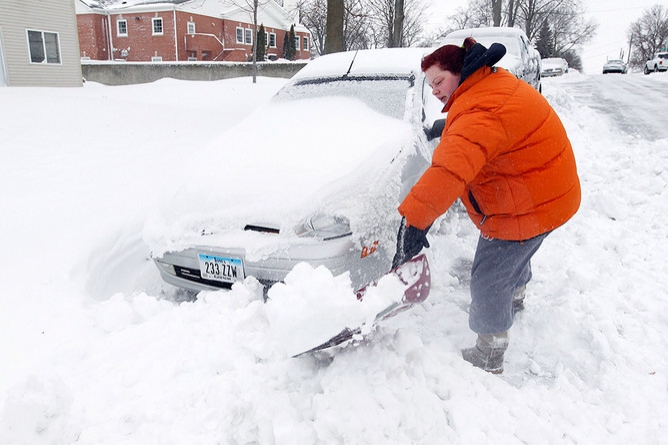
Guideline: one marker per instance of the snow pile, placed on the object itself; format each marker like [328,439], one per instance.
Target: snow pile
[96,350]
[312,306]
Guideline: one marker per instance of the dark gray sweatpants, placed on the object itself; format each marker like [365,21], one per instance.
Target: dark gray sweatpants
[499,267]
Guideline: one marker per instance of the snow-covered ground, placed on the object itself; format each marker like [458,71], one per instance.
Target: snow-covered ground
[94,349]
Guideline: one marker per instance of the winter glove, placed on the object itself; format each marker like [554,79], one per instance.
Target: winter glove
[436,130]
[410,242]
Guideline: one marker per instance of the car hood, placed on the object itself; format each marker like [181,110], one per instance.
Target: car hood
[285,162]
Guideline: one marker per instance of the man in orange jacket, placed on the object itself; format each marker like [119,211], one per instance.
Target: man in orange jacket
[506,154]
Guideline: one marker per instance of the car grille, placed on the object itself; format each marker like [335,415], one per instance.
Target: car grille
[194,275]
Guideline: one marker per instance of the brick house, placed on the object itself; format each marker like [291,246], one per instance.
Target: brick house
[38,44]
[182,30]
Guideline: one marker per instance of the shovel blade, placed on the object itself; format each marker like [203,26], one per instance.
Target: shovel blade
[415,274]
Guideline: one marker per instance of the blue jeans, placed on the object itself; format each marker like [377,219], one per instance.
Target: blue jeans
[499,267]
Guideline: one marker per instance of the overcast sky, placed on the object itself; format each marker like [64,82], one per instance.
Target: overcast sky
[613,16]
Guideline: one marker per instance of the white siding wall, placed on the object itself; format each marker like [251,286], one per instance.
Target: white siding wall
[16,17]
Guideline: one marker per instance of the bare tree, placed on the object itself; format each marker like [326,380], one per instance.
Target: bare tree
[496,12]
[382,14]
[334,42]
[510,11]
[396,39]
[570,27]
[535,12]
[367,23]
[413,29]
[314,17]
[355,23]
[251,7]
[648,35]
[530,14]
[395,23]
[477,13]
[565,19]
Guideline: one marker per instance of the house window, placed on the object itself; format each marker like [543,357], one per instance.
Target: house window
[305,43]
[249,37]
[240,35]
[156,59]
[272,40]
[191,27]
[157,26]
[121,28]
[44,47]
[297,43]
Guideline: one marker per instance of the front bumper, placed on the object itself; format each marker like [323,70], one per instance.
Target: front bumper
[181,269]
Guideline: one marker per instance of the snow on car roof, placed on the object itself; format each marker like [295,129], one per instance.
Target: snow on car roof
[509,37]
[488,31]
[374,61]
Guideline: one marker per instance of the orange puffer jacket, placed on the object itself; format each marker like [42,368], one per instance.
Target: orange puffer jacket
[506,154]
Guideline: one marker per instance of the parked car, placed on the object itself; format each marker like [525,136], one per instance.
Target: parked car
[658,63]
[553,66]
[340,145]
[614,66]
[521,58]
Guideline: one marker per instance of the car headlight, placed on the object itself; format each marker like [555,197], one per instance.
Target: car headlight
[166,267]
[326,227]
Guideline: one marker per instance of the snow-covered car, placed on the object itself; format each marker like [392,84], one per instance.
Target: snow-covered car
[658,63]
[553,66]
[614,66]
[349,135]
[521,58]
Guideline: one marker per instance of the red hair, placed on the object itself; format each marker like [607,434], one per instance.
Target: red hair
[448,57]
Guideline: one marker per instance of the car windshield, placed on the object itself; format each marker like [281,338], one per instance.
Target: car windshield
[386,94]
[663,56]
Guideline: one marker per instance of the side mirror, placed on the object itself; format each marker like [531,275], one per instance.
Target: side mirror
[436,129]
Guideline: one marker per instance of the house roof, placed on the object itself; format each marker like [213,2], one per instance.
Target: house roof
[270,13]
[108,4]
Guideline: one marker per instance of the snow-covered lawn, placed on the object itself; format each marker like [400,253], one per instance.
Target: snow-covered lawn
[94,349]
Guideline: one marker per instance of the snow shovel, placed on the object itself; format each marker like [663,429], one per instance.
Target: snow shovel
[414,274]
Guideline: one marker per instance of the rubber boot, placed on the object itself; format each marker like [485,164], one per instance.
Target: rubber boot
[518,299]
[487,354]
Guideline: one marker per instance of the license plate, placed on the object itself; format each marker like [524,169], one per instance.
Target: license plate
[227,270]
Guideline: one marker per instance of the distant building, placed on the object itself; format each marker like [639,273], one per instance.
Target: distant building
[38,44]
[182,30]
